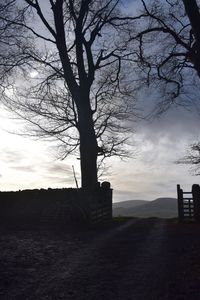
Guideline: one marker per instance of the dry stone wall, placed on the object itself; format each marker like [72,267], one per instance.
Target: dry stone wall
[57,206]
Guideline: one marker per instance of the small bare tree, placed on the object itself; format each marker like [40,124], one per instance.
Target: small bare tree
[192,158]
[72,74]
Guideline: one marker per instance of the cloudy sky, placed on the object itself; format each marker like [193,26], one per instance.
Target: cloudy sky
[149,174]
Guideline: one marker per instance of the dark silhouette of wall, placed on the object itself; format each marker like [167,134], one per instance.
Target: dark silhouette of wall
[57,206]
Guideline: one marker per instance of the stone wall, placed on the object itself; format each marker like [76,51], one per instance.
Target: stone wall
[57,206]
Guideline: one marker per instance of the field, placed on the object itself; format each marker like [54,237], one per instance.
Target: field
[131,259]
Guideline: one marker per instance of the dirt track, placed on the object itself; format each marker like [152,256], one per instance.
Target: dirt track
[139,259]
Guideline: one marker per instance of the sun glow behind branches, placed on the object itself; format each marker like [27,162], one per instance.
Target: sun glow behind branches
[34,74]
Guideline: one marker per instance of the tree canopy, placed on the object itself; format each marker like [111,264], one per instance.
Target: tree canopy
[168,48]
[168,43]
[70,63]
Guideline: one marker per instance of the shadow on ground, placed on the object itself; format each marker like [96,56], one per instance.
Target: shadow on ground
[130,259]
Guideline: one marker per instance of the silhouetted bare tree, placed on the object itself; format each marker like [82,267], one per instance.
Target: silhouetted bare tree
[72,74]
[168,50]
[192,158]
[168,56]
[10,39]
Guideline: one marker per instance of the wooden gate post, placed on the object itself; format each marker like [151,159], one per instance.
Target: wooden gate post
[180,203]
[196,199]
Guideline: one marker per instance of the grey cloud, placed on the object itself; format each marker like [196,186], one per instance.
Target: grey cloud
[119,195]
[27,168]
[177,124]
[165,185]
[17,160]
[11,156]
[57,179]
[59,168]
[58,172]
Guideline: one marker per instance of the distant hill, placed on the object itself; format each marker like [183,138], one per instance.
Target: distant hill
[161,208]
[129,203]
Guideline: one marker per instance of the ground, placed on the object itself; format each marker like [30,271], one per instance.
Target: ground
[135,259]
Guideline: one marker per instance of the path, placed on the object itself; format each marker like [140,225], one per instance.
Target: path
[137,260]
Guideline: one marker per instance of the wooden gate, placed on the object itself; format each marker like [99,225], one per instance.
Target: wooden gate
[185,205]
[189,204]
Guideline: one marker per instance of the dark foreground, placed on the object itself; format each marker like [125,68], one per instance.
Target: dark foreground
[137,259]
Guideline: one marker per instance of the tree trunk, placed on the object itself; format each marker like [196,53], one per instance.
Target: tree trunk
[88,145]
